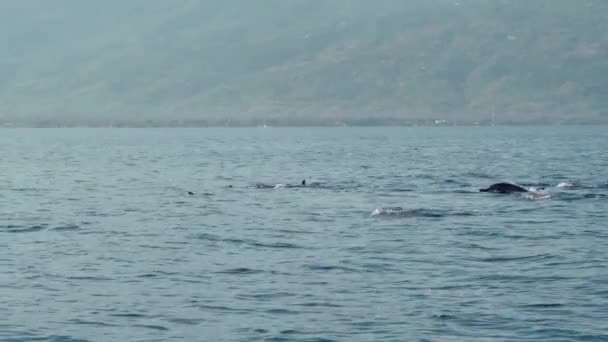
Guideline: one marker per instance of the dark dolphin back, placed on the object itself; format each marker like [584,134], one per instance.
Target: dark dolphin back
[504,188]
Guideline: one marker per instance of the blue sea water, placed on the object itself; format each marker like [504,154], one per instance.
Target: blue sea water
[389,241]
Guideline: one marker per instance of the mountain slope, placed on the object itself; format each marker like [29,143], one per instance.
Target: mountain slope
[303,62]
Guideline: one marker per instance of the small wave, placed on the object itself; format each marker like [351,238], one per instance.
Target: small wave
[317,304]
[326,268]
[515,278]
[157,274]
[66,227]
[65,339]
[240,270]
[602,186]
[249,242]
[567,185]
[265,296]
[444,317]
[221,308]
[128,315]
[570,197]
[282,312]
[537,196]
[516,258]
[454,182]
[428,213]
[308,186]
[535,184]
[401,212]
[465,191]
[323,339]
[23,189]
[602,196]
[296,332]
[402,190]
[153,327]
[25,229]
[92,278]
[186,321]
[274,245]
[478,175]
[544,305]
[26,336]
[269,186]
[477,246]
[276,339]
[290,332]
[101,324]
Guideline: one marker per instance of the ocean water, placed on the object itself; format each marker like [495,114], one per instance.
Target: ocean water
[389,241]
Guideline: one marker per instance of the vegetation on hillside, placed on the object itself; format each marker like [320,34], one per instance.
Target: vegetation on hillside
[303,62]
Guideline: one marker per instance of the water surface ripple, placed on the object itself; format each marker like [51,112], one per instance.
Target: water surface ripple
[389,240]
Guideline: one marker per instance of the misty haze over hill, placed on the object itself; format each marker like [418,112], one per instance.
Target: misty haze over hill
[295,62]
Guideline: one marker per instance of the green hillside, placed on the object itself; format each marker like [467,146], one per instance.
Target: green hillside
[302,61]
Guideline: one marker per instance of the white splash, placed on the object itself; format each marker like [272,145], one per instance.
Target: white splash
[538,195]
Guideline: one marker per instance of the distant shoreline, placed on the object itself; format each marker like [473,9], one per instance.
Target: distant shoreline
[136,125]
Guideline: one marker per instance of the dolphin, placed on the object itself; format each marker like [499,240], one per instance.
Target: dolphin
[504,188]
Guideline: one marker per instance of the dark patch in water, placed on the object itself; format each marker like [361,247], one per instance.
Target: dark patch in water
[186,321]
[290,332]
[66,228]
[101,324]
[25,229]
[282,312]
[153,327]
[402,190]
[65,339]
[249,242]
[92,278]
[596,196]
[327,268]
[510,259]
[316,304]
[157,274]
[276,339]
[128,315]
[240,270]
[544,305]
[222,308]
[602,185]
[147,275]
[478,246]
